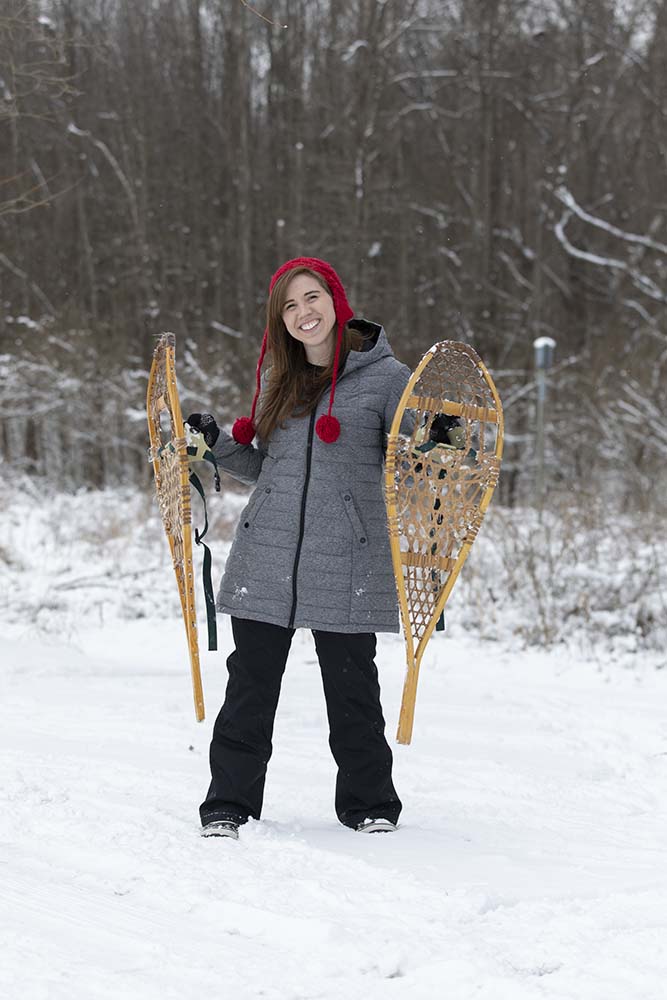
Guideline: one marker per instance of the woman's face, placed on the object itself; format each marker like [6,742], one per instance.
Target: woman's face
[309,316]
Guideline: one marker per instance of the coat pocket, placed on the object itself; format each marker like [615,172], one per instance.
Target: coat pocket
[254,507]
[353,516]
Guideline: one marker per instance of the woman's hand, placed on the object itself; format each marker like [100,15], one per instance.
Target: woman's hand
[205,425]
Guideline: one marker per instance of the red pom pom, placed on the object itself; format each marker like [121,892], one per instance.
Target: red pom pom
[243,430]
[328,429]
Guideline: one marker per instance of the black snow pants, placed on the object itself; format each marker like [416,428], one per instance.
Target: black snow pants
[241,744]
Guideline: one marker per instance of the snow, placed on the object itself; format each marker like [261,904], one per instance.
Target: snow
[26,321]
[75,130]
[544,342]
[529,863]
[351,50]
[224,328]
[568,199]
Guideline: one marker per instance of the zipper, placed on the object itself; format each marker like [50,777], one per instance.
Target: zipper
[295,569]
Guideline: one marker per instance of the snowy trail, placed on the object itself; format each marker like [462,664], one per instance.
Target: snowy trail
[530,862]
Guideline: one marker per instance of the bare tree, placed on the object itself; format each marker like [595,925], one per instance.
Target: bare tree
[481,171]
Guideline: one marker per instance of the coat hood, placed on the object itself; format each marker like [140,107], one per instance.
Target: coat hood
[374,347]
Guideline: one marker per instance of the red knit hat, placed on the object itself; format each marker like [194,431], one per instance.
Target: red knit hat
[327,427]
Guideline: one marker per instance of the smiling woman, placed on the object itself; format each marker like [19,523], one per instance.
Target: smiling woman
[297,379]
[312,548]
[309,316]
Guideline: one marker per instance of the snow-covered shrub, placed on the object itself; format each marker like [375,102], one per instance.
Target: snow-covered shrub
[579,574]
[75,560]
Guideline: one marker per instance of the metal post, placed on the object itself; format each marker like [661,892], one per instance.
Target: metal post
[544,352]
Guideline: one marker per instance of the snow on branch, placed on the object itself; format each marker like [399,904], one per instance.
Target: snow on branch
[639,280]
[568,200]
[426,74]
[408,110]
[351,50]
[645,412]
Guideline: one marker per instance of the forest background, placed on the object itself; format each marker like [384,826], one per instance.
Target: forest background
[490,171]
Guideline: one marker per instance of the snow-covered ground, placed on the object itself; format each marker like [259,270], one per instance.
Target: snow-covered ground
[530,861]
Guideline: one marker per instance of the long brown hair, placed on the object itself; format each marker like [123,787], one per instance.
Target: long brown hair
[294,388]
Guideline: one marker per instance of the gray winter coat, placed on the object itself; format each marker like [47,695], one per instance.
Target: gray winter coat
[311,548]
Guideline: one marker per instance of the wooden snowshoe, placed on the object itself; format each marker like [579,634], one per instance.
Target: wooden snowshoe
[439,481]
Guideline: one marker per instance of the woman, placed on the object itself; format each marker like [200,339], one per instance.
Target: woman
[311,549]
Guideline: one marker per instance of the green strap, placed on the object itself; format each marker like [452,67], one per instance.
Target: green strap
[206,567]
[440,624]
[209,597]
